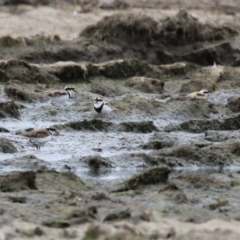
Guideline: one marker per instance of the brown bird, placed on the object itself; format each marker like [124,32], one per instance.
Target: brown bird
[61,97]
[41,136]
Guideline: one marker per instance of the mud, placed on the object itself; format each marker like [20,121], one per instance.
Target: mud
[161,165]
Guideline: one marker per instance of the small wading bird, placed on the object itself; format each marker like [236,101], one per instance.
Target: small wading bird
[202,94]
[60,97]
[102,107]
[41,136]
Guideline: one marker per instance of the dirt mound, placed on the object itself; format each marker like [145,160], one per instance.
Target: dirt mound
[127,28]
[197,126]
[9,109]
[154,175]
[179,38]
[183,29]
[99,125]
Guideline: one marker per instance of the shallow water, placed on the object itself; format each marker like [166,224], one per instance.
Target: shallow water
[64,152]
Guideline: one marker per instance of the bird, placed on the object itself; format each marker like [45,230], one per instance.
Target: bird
[41,136]
[202,94]
[61,97]
[102,107]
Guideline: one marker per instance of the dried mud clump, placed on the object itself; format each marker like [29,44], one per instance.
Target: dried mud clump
[15,69]
[146,85]
[234,104]
[91,125]
[40,180]
[18,181]
[108,88]
[96,162]
[6,146]
[197,85]
[118,216]
[183,155]
[21,91]
[60,181]
[26,162]
[203,180]
[138,127]
[72,217]
[198,126]
[9,109]
[68,71]
[154,175]
[99,125]
[124,69]
[138,104]
[114,5]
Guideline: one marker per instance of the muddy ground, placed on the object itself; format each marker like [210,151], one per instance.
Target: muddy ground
[161,165]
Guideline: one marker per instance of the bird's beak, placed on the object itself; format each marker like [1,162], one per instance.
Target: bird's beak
[75,90]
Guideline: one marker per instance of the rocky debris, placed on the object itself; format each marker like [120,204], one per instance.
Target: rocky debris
[154,175]
[4,130]
[108,88]
[72,217]
[18,181]
[99,125]
[183,155]
[230,147]
[146,85]
[190,108]
[195,85]
[174,193]
[17,199]
[179,69]
[100,196]
[204,180]
[23,42]
[25,163]
[217,204]
[229,78]
[215,228]
[24,72]
[114,5]
[9,109]
[118,69]
[132,104]
[198,126]
[78,72]
[125,214]
[221,136]
[159,140]
[234,104]
[60,181]
[23,92]
[6,146]
[96,162]
[67,72]
[40,180]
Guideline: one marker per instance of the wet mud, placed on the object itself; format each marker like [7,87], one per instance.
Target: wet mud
[162,164]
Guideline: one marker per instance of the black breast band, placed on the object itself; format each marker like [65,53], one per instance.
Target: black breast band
[99,109]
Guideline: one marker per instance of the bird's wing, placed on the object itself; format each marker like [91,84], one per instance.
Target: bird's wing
[37,133]
[57,94]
